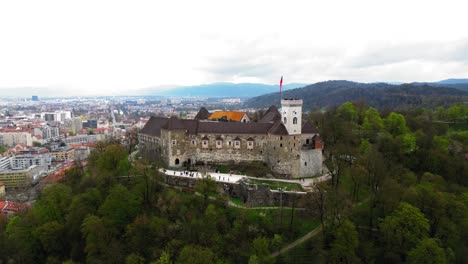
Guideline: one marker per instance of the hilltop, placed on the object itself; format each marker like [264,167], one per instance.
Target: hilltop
[381,95]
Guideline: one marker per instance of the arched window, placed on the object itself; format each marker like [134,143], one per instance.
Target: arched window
[177,161]
[285,120]
[295,120]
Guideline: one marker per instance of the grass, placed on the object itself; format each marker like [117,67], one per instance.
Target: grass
[236,201]
[276,185]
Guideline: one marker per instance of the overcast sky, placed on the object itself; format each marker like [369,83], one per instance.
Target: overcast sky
[98,47]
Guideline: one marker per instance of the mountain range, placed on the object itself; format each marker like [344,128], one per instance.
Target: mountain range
[223,89]
[381,95]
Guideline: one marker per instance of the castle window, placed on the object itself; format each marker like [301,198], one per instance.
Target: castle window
[174,142]
[281,145]
[194,142]
[219,144]
[177,161]
[295,120]
[305,163]
[285,120]
[281,137]
[229,143]
[250,145]
[307,141]
[205,143]
[237,144]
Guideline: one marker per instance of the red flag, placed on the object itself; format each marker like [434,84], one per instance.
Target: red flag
[281,83]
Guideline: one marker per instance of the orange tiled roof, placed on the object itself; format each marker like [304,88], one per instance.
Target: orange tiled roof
[228,115]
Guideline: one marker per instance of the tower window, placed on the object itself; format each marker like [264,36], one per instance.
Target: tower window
[285,120]
[305,163]
[295,120]
[177,161]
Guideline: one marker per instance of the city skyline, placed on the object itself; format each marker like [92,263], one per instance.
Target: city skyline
[118,47]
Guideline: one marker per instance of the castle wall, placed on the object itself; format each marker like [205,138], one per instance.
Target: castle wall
[283,155]
[286,155]
[190,148]
[311,162]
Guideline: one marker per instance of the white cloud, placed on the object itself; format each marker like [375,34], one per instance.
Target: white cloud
[109,46]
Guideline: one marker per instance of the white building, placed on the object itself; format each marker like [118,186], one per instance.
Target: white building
[22,162]
[5,163]
[12,138]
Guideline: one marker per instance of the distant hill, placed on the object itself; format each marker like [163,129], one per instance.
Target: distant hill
[381,95]
[453,81]
[223,90]
[460,84]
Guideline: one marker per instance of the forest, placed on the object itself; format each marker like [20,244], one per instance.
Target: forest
[329,94]
[398,194]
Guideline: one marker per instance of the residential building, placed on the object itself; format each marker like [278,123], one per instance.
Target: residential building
[21,178]
[63,153]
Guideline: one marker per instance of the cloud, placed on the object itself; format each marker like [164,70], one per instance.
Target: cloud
[384,54]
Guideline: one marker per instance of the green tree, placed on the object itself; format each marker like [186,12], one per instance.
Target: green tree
[53,203]
[97,237]
[403,230]
[206,187]
[427,252]
[344,246]
[396,124]
[165,258]
[120,207]
[408,143]
[196,255]
[261,249]
[348,112]
[52,237]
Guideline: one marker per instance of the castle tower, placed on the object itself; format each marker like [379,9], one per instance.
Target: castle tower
[291,115]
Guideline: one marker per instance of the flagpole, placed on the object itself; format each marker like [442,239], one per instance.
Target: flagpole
[281,89]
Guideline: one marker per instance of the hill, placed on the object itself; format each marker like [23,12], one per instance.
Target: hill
[460,84]
[223,89]
[381,95]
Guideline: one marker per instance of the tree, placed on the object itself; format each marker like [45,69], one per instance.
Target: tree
[53,203]
[120,207]
[408,143]
[403,230]
[348,112]
[261,250]
[345,243]
[372,123]
[97,237]
[396,124]
[196,255]
[52,237]
[205,187]
[427,252]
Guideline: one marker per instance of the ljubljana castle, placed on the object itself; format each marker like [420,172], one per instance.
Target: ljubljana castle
[280,139]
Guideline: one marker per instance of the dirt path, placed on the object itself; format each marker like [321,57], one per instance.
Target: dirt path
[299,241]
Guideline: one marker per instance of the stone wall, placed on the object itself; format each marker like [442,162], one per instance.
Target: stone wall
[250,194]
[311,162]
